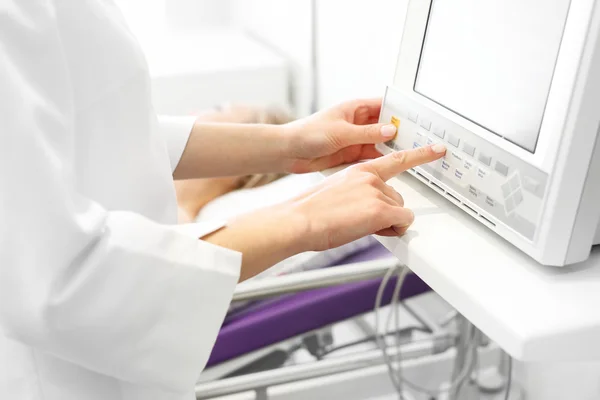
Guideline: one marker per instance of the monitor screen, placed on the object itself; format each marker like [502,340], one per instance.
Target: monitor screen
[492,61]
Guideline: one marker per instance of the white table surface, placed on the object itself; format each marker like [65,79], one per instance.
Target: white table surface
[535,313]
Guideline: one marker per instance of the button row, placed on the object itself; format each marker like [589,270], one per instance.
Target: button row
[454,140]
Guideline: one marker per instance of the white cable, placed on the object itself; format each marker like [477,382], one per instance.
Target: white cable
[396,375]
[378,338]
[508,377]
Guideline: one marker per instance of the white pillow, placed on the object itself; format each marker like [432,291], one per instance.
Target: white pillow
[243,201]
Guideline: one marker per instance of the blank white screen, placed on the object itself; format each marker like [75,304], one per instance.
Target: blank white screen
[492,61]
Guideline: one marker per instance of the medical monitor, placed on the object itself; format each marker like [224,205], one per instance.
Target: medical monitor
[512,88]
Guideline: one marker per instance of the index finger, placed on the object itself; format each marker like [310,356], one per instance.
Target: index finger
[394,163]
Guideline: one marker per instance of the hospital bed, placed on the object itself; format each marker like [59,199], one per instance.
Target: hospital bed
[287,326]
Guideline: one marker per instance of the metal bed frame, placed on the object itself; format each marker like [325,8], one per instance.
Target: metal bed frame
[442,341]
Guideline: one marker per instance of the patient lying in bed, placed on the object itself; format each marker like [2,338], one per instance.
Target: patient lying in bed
[224,198]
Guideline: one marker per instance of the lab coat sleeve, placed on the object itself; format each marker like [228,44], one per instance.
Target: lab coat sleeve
[111,291]
[176,131]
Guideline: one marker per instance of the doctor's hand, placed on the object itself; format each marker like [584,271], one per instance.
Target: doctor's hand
[346,206]
[340,135]
[357,202]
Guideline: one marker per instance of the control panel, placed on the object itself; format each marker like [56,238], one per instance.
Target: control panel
[483,179]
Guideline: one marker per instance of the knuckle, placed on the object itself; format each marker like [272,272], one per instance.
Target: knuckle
[371,180]
[377,208]
[381,196]
[399,156]
[370,131]
[400,200]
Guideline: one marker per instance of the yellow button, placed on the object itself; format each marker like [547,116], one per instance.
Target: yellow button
[396,122]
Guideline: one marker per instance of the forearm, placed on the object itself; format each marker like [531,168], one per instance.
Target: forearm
[264,238]
[217,149]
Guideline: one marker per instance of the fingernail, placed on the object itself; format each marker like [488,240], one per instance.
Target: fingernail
[438,148]
[411,217]
[388,131]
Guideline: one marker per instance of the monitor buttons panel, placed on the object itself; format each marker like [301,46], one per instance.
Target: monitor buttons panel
[501,187]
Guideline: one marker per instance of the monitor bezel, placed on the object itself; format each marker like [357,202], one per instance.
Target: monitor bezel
[559,96]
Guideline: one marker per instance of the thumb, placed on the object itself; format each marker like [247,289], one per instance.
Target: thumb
[371,134]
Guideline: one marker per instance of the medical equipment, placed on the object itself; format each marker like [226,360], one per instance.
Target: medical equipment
[252,343]
[511,87]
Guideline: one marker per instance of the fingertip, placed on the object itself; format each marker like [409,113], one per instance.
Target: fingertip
[410,217]
[438,148]
[388,131]
[400,230]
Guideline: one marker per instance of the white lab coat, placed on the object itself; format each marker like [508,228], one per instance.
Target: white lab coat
[101,295]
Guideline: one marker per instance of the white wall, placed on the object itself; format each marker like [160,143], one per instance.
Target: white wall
[286,27]
[183,15]
[357,47]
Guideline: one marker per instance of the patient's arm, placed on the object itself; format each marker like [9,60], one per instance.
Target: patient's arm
[193,194]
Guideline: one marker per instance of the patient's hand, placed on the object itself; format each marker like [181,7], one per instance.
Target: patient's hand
[340,135]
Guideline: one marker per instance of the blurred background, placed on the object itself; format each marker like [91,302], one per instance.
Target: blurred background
[300,54]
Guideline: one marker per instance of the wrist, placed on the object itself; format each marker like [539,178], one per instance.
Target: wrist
[290,139]
[291,229]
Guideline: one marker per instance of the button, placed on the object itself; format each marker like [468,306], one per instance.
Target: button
[419,138]
[530,184]
[425,124]
[484,159]
[430,141]
[445,165]
[453,140]
[456,157]
[458,173]
[510,205]
[506,190]
[467,148]
[416,145]
[514,182]
[482,173]
[501,168]
[473,191]
[439,131]
[468,165]
[395,121]
[489,201]
[413,116]
[518,197]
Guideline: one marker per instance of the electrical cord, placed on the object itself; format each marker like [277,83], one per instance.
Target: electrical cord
[372,338]
[396,375]
[508,377]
